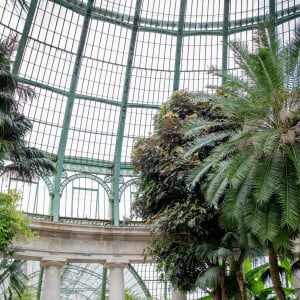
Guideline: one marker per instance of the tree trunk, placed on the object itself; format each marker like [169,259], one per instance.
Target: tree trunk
[216,294]
[274,272]
[241,283]
[222,282]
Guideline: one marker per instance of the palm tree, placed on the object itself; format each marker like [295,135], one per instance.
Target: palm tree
[253,174]
[12,277]
[16,156]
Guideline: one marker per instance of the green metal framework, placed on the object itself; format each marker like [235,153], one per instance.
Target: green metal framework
[104,77]
[101,69]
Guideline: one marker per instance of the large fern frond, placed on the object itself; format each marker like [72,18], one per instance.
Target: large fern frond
[289,192]
[266,180]
[198,126]
[204,141]
[241,167]
[264,222]
[217,184]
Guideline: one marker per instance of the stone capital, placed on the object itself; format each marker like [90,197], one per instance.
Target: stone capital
[116,263]
[57,261]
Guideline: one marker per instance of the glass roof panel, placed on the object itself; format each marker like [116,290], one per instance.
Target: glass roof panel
[246,12]
[159,13]
[206,14]
[122,7]
[93,131]
[46,112]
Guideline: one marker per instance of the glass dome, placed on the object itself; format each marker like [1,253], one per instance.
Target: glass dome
[101,69]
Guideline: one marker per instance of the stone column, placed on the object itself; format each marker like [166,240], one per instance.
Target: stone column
[116,279]
[52,267]
[296,279]
[296,274]
[177,295]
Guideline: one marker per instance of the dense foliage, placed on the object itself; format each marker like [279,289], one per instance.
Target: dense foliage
[253,176]
[229,186]
[16,157]
[188,244]
[13,225]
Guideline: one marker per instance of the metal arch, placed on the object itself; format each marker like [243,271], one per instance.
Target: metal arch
[88,176]
[48,183]
[139,280]
[126,185]
[73,281]
[156,25]
[86,270]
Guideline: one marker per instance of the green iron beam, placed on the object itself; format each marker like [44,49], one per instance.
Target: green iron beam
[81,96]
[225,40]
[39,284]
[272,8]
[179,45]
[104,281]
[122,117]
[68,111]
[24,37]
[140,281]
[162,26]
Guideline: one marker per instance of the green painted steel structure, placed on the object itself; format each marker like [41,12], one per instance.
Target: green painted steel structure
[101,69]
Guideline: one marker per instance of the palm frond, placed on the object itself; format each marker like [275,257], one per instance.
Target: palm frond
[209,279]
[7,103]
[20,5]
[8,83]
[25,93]
[289,195]
[293,152]
[234,204]
[198,126]
[266,180]
[217,184]
[197,173]
[266,141]
[241,167]
[204,141]
[265,223]
[220,254]
[283,243]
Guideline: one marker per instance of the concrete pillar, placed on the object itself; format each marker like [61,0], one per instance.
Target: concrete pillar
[296,280]
[116,279]
[52,266]
[177,295]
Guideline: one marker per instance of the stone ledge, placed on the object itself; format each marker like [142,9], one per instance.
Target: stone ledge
[85,243]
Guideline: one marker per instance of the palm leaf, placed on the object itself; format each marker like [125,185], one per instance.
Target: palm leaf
[240,167]
[266,141]
[209,279]
[293,152]
[266,180]
[196,127]
[220,254]
[217,184]
[233,205]
[197,173]
[289,192]
[209,140]
[265,222]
